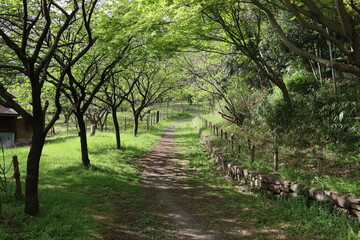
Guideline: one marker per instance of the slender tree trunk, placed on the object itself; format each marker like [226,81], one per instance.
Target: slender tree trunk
[32,171]
[285,94]
[136,125]
[83,140]
[117,128]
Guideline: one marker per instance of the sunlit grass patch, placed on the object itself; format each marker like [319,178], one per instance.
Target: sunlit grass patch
[71,197]
[261,217]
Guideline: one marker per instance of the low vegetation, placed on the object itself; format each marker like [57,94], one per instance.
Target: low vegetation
[74,200]
[264,218]
[296,163]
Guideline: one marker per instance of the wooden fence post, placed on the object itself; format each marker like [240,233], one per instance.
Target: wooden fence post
[217,131]
[320,157]
[157,116]
[18,191]
[221,134]
[226,136]
[239,149]
[147,122]
[249,144]
[232,141]
[252,154]
[125,124]
[276,154]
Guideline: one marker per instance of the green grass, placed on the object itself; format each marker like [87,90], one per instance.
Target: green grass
[71,197]
[261,217]
[294,168]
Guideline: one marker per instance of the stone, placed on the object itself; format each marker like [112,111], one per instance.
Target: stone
[274,188]
[239,173]
[257,183]
[299,188]
[228,168]
[288,195]
[355,206]
[254,174]
[355,200]
[234,172]
[319,195]
[264,178]
[340,200]
[246,174]
[285,186]
[355,212]
[274,179]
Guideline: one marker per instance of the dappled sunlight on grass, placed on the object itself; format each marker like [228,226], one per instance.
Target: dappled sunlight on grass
[251,215]
[75,201]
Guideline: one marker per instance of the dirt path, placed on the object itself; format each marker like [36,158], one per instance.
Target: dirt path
[168,192]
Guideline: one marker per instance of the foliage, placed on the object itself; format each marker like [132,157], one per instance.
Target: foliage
[318,118]
[301,82]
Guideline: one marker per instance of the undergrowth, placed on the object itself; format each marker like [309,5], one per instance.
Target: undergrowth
[294,164]
[259,216]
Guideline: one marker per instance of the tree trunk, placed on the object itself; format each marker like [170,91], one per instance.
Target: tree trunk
[285,94]
[117,128]
[32,170]
[83,141]
[136,125]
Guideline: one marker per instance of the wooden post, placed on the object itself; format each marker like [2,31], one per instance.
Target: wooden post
[125,124]
[252,154]
[320,157]
[18,191]
[276,154]
[147,122]
[232,141]
[249,144]
[221,134]
[157,116]
[217,131]
[225,136]
[239,149]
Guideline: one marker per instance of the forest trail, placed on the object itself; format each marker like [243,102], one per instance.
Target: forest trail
[168,191]
[173,203]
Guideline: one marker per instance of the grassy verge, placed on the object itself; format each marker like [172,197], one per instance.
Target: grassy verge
[76,203]
[242,214]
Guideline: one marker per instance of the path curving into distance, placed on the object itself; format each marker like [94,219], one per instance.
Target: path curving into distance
[169,194]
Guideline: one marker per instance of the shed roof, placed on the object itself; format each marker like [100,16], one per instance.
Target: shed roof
[8,112]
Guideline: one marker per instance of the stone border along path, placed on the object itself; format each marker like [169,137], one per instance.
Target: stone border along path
[167,190]
[272,184]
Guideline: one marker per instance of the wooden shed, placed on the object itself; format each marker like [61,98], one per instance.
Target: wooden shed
[13,130]
[8,126]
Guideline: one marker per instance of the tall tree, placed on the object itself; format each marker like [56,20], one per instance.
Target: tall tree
[113,94]
[335,20]
[241,26]
[152,81]
[83,82]
[31,32]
